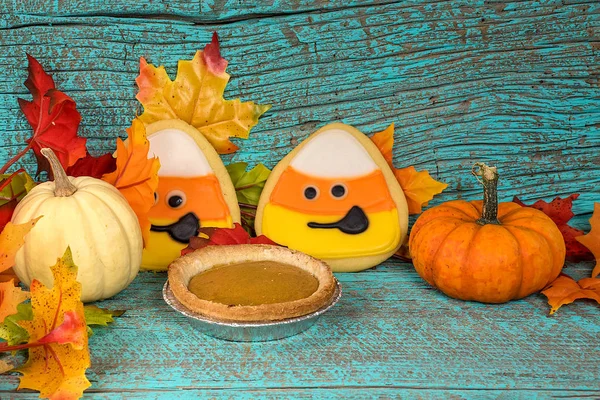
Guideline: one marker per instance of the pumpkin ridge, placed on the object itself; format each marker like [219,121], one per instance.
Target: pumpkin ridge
[539,235]
[472,207]
[85,223]
[468,257]
[107,191]
[520,258]
[437,252]
[415,249]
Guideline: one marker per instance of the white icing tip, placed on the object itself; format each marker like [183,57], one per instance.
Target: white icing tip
[334,153]
[178,153]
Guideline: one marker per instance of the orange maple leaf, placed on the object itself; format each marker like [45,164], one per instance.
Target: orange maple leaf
[10,298]
[196,97]
[58,351]
[564,290]
[592,239]
[418,186]
[12,238]
[136,175]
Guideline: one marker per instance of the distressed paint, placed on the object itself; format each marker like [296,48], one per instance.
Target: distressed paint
[511,83]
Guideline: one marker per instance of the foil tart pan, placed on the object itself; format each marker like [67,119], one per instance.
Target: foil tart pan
[249,331]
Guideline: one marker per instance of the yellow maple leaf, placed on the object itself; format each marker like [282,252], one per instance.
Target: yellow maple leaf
[136,175]
[12,238]
[57,364]
[418,186]
[196,97]
[592,239]
[10,298]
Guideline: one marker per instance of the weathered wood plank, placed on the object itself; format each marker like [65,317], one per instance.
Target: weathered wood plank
[390,332]
[514,83]
[511,83]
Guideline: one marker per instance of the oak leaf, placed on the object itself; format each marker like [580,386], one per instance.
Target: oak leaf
[224,236]
[564,290]
[12,238]
[196,97]
[136,175]
[418,186]
[592,239]
[58,353]
[54,119]
[560,211]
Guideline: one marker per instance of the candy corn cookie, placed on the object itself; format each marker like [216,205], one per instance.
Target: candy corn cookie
[335,198]
[194,190]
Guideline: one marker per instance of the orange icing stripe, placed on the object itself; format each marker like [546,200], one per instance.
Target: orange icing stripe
[370,192]
[203,197]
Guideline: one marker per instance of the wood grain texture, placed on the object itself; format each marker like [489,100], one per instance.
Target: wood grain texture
[390,334]
[513,83]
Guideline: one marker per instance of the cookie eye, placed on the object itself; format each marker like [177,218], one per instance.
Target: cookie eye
[338,191]
[155,198]
[176,199]
[311,192]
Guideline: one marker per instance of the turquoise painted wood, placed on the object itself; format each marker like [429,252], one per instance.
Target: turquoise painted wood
[514,83]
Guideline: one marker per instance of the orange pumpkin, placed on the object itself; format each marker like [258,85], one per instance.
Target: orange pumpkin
[485,251]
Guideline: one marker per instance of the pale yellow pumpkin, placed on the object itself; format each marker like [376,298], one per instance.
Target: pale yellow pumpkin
[93,219]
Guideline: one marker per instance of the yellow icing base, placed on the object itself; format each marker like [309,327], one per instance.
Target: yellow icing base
[161,250]
[290,228]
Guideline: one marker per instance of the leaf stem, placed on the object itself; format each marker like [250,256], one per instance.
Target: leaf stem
[16,158]
[246,205]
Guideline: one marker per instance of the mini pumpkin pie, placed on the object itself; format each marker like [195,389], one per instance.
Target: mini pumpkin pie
[250,282]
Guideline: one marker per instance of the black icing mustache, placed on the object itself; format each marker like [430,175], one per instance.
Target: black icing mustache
[182,230]
[353,223]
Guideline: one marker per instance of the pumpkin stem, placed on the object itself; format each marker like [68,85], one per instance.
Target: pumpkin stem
[489,180]
[62,185]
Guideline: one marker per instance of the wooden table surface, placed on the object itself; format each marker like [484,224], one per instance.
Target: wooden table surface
[516,84]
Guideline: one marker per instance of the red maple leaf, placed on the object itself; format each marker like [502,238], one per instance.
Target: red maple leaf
[560,211]
[54,119]
[223,237]
[92,166]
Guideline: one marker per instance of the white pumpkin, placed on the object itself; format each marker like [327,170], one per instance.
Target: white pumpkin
[93,219]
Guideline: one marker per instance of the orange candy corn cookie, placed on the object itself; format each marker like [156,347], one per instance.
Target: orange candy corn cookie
[194,190]
[335,198]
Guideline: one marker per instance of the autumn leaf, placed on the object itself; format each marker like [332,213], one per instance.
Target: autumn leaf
[92,166]
[564,290]
[248,184]
[560,211]
[248,187]
[5,366]
[10,298]
[58,353]
[223,237]
[13,187]
[53,118]
[136,175]
[13,333]
[592,239]
[418,186]
[196,97]
[12,238]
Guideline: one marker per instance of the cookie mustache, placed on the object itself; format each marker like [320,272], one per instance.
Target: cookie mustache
[182,230]
[353,223]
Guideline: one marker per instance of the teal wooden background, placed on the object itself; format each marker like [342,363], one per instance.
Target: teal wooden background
[513,83]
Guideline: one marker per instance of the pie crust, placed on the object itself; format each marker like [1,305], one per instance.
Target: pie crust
[183,269]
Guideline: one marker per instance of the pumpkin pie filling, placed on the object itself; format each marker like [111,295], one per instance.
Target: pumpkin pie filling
[251,283]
